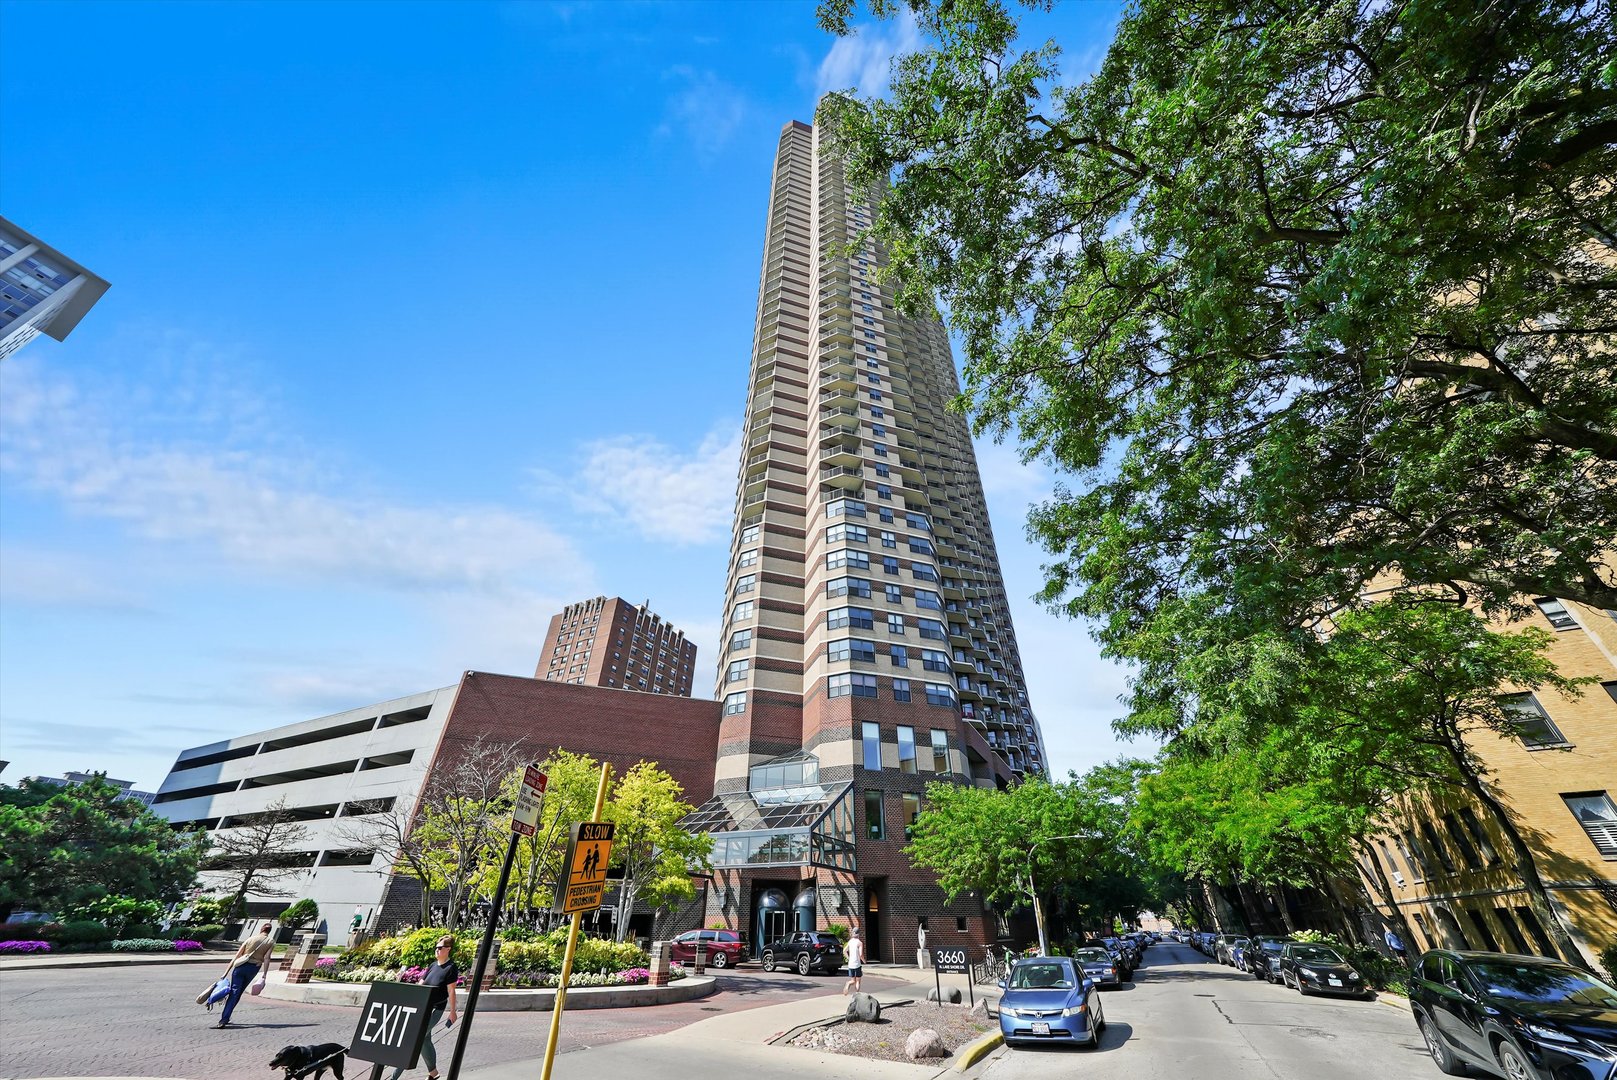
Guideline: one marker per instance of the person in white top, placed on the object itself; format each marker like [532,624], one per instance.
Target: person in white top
[855,954]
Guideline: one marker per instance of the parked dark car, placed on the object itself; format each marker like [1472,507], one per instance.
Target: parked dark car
[1238,953]
[1528,1017]
[722,948]
[1125,968]
[1262,954]
[1319,969]
[1047,999]
[1222,946]
[1100,966]
[806,951]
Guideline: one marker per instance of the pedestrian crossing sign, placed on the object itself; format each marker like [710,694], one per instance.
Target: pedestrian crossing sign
[583,880]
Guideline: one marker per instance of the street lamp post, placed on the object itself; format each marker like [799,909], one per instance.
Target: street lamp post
[1038,908]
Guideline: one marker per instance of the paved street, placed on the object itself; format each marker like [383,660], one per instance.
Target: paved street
[1188,1018]
[143,1022]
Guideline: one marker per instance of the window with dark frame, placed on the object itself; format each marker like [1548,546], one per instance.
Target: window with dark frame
[1533,725]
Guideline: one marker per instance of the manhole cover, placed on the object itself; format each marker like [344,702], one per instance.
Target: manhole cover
[1312,1033]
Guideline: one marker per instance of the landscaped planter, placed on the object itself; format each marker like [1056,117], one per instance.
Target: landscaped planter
[325,992]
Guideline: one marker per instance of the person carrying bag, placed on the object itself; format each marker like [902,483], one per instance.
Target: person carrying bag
[252,957]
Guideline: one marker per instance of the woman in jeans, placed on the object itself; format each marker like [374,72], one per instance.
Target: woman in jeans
[441,976]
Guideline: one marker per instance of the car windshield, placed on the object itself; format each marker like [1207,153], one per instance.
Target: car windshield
[1543,982]
[1272,946]
[1041,977]
[1093,956]
[1316,954]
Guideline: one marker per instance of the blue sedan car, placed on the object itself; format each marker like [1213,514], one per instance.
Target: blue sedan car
[1047,999]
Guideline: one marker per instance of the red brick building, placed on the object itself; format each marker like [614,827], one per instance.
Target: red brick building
[611,642]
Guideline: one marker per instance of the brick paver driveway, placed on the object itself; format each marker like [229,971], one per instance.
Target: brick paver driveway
[143,1021]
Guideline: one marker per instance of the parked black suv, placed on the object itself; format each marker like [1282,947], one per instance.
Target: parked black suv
[1528,1017]
[807,951]
[1262,955]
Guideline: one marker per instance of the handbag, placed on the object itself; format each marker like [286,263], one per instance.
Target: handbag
[258,984]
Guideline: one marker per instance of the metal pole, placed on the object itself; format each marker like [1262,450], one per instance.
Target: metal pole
[572,944]
[938,981]
[483,951]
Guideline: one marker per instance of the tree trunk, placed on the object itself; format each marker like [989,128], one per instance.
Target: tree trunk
[1538,897]
[626,895]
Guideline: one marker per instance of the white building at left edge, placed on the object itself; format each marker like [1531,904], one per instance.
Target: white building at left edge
[352,763]
[42,291]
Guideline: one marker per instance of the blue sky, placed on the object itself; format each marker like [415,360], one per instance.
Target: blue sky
[425,320]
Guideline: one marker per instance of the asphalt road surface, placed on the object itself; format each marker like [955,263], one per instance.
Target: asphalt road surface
[1188,1018]
[143,1021]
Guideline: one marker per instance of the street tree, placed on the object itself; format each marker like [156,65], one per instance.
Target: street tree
[656,854]
[70,845]
[390,830]
[465,816]
[1295,294]
[257,854]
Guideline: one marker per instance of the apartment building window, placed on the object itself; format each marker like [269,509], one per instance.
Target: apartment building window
[863,618]
[932,660]
[878,430]
[927,599]
[920,544]
[875,821]
[750,534]
[1597,815]
[741,639]
[1557,614]
[889,565]
[1412,856]
[748,557]
[745,583]
[884,492]
[870,740]
[1469,818]
[895,624]
[939,694]
[846,534]
[940,751]
[1393,869]
[894,594]
[1462,841]
[881,449]
[1424,930]
[1484,932]
[737,670]
[735,703]
[901,690]
[850,649]
[923,572]
[899,655]
[912,810]
[885,513]
[859,560]
[1611,690]
[1436,844]
[930,628]
[855,685]
[906,749]
[1533,725]
[1513,931]
[847,586]
[889,540]
[1536,929]
[882,470]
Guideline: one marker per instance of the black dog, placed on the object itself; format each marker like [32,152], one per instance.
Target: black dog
[300,1061]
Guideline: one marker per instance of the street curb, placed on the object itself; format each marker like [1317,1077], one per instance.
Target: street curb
[352,995]
[1397,1001]
[975,1052]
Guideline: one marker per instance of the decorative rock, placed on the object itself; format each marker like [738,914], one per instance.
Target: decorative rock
[980,1008]
[951,995]
[924,1043]
[862,1008]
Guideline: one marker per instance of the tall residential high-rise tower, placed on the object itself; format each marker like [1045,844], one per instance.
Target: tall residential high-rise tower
[611,642]
[42,291]
[867,646]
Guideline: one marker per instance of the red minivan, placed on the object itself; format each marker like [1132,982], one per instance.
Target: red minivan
[724,948]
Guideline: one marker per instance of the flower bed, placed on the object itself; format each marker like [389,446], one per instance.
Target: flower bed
[155,944]
[522,964]
[24,947]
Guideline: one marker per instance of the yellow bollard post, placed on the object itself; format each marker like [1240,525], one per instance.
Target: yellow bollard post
[572,944]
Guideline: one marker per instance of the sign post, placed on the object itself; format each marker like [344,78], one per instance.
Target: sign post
[524,822]
[950,960]
[392,1026]
[583,879]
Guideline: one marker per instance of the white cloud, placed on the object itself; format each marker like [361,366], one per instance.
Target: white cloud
[197,479]
[53,579]
[662,493]
[1006,477]
[705,110]
[862,60]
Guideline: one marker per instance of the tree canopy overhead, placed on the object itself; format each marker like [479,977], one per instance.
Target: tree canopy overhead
[1300,294]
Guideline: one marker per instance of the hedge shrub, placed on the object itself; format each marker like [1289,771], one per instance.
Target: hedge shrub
[146,944]
[1608,959]
[206,932]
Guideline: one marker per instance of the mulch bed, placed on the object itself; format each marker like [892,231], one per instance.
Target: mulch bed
[885,1038]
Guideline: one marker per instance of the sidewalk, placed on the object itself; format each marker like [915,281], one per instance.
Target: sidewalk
[110,959]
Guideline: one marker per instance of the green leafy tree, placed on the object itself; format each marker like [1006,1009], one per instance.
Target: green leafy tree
[465,818]
[301,914]
[69,845]
[657,855]
[1298,294]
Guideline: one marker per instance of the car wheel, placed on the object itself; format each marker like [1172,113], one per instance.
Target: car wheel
[1301,989]
[1441,1055]
[1514,1064]
[1100,1021]
[769,961]
[803,964]
[720,960]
